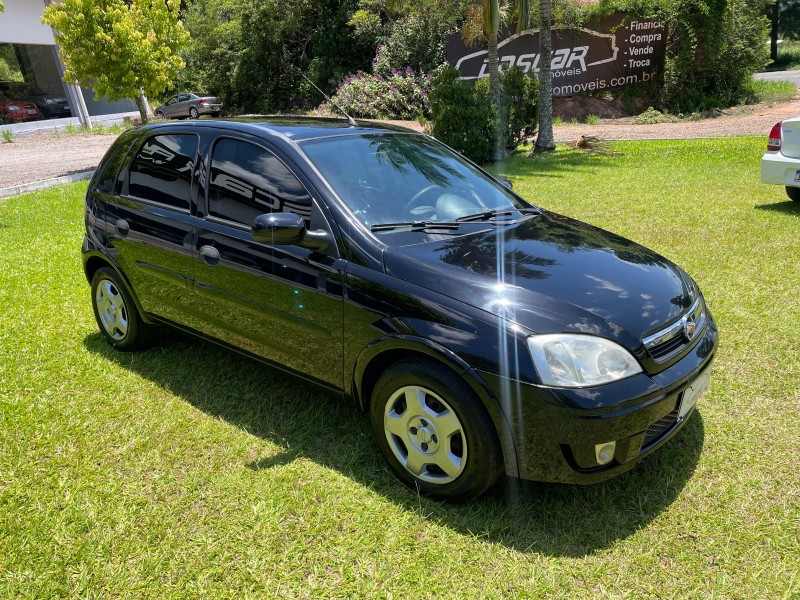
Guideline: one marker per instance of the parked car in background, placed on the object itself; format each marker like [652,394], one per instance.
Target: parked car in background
[482,334]
[780,164]
[190,105]
[51,106]
[18,111]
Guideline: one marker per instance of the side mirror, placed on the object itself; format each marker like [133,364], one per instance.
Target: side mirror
[505,183]
[287,229]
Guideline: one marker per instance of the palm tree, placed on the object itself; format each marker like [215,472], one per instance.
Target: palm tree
[544,140]
[491,25]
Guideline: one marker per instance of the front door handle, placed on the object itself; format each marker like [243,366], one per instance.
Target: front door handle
[210,255]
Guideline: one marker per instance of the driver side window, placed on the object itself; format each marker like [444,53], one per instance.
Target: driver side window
[248,180]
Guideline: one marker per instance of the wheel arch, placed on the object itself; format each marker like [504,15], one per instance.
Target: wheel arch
[97,260]
[376,357]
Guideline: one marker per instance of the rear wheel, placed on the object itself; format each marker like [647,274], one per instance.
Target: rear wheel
[793,193]
[193,112]
[116,314]
[434,431]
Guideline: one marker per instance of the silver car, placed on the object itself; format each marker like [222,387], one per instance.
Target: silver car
[189,105]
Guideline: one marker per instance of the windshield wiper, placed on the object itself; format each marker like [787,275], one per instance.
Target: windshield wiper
[415,225]
[491,214]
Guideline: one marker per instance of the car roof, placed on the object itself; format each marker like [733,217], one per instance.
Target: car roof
[297,129]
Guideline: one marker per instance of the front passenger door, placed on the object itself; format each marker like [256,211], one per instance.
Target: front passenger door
[282,303]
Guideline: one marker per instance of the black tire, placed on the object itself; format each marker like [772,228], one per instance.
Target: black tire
[793,193]
[470,452]
[193,112]
[116,314]
[159,114]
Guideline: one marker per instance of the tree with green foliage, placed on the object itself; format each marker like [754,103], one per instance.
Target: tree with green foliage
[251,54]
[119,47]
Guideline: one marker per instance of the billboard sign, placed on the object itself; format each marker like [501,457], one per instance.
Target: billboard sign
[615,52]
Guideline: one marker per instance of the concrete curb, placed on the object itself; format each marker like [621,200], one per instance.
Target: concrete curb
[45,183]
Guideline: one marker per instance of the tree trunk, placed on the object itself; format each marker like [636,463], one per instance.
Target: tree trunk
[498,148]
[141,107]
[773,33]
[544,141]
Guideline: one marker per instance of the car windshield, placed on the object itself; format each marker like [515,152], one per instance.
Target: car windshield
[396,178]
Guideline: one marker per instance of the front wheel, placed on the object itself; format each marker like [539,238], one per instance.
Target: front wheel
[434,431]
[159,114]
[793,193]
[193,112]
[116,314]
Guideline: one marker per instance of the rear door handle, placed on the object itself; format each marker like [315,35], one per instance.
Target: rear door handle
[210,255]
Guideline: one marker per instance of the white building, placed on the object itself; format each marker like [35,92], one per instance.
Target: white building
[30,65]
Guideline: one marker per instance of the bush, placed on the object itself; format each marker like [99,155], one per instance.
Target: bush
[464,117]
[400,95]
[652,116]
[715,47]
[416,41]
[521,97]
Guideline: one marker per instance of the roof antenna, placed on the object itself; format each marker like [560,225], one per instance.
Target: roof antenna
[350,119]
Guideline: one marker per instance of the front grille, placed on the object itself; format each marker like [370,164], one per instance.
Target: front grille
[674,339]
[668,348]
[659,428]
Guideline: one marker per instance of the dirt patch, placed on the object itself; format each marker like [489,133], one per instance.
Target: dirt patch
[741,120]
[41,156]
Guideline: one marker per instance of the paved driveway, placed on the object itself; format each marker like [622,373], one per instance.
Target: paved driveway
[793,76]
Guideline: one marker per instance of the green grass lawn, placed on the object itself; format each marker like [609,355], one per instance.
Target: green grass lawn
[788,57]
[184,471]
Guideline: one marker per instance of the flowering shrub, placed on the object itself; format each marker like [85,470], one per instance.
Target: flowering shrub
[400,95]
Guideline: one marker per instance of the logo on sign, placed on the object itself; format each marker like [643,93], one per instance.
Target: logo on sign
[594,49]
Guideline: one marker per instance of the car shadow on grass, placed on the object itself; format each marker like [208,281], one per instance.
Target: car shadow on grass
[557,520]
[788,207]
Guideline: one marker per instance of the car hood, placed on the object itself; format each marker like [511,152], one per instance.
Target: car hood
[550,273]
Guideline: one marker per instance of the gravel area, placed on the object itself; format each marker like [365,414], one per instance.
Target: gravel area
[47,155]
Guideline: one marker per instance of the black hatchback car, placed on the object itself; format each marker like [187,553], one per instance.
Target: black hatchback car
[482,334]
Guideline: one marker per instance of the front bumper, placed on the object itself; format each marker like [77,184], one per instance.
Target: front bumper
[555,430]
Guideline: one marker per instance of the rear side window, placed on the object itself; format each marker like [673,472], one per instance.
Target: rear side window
[107,182]
[162,170]
[248,180]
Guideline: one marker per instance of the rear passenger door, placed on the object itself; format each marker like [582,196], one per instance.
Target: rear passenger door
[149,223]
[282,303]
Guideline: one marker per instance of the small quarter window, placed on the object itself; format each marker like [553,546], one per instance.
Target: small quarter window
[162,170]
[107,179]
[247,181]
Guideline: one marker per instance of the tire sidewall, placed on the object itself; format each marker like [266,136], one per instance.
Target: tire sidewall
[483,455]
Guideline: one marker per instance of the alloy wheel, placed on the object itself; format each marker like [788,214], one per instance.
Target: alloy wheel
[425,435]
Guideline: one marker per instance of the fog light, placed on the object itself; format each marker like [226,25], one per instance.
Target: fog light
[604,453]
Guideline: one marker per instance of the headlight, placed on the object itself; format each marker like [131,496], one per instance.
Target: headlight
[574,360]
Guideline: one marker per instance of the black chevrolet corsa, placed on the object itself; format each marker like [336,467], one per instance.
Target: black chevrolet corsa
[482,334]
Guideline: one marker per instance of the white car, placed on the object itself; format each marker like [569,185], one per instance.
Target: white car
[781,162]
